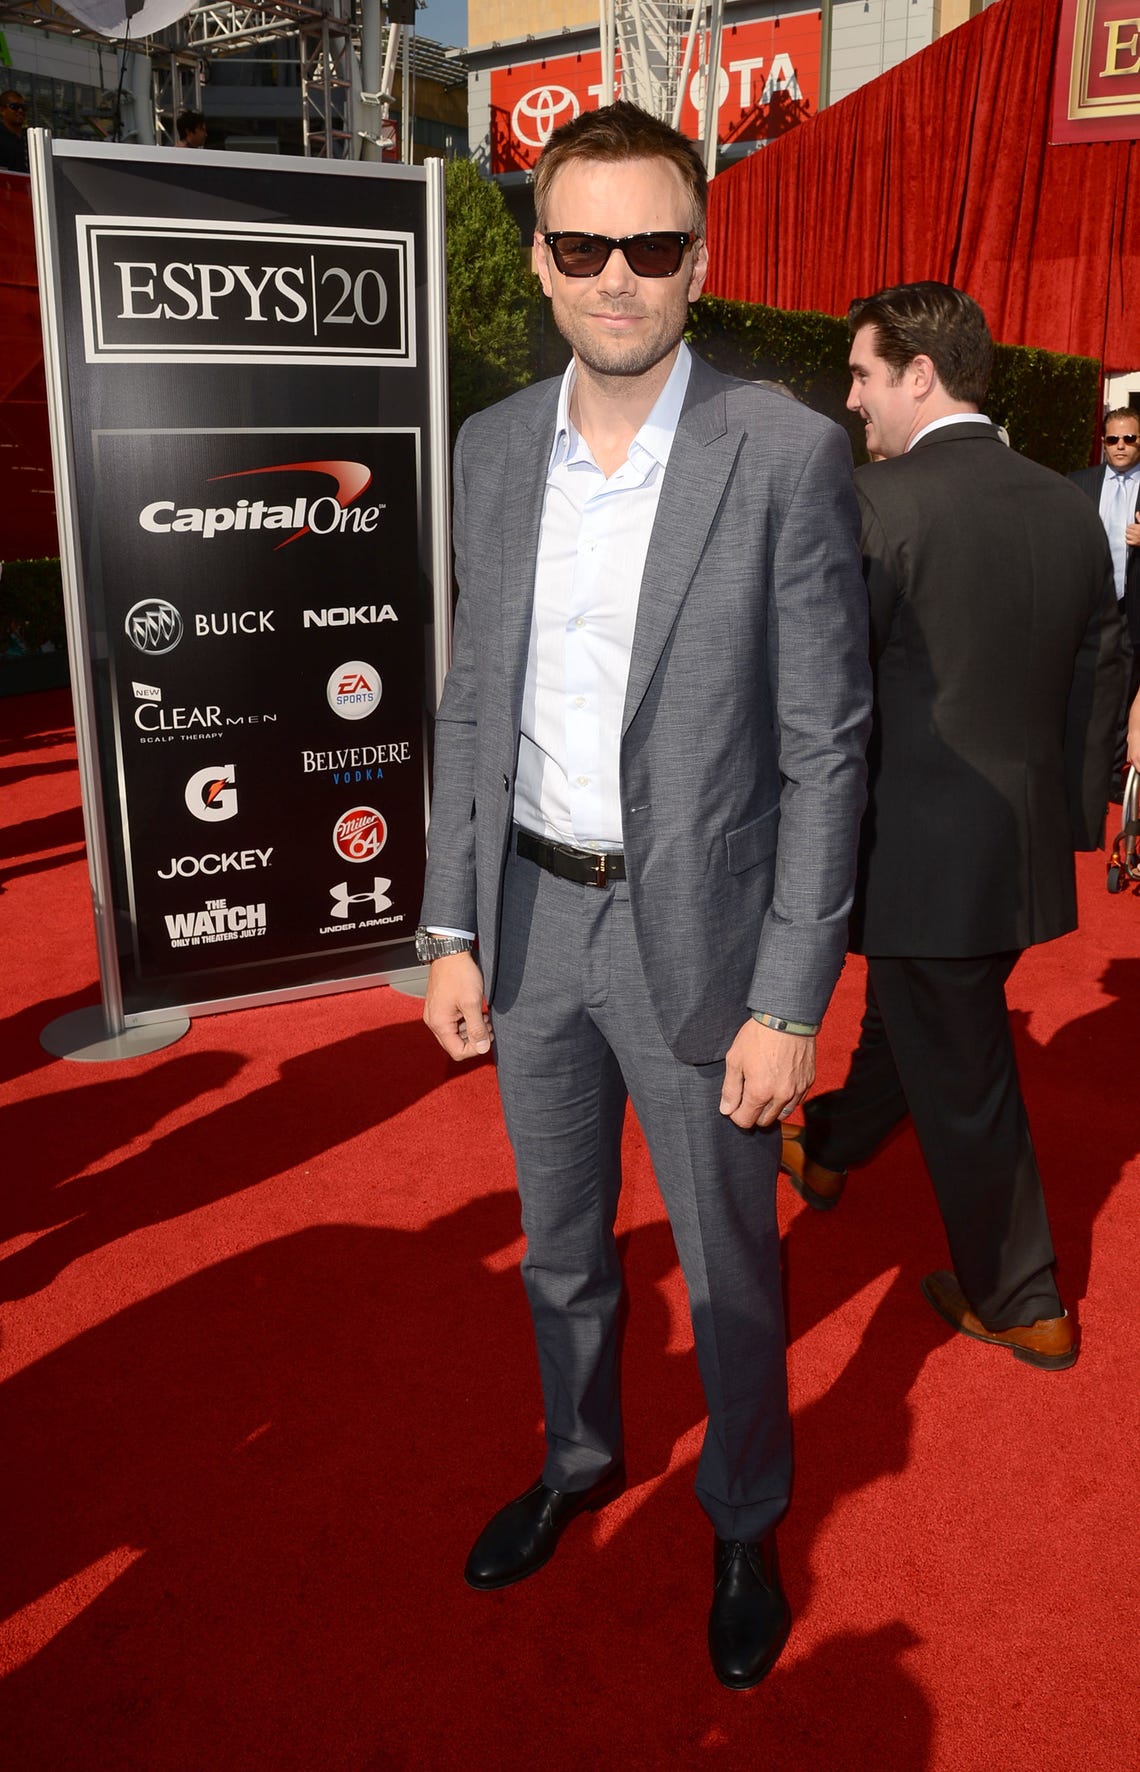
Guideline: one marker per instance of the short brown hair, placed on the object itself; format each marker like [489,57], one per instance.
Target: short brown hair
[1121,412]
[932,320]
[621,132]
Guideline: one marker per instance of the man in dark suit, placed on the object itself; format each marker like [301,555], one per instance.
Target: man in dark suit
[999,671]
[1114,488]
[660,694]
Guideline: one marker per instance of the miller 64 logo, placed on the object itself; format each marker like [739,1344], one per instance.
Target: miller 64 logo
[164,290]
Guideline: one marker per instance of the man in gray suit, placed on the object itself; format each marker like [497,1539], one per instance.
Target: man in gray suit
[658,706]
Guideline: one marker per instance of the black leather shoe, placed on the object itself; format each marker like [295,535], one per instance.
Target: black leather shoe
[524,1535]
[750,1617]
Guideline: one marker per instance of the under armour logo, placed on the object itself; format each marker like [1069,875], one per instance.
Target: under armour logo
[377,898]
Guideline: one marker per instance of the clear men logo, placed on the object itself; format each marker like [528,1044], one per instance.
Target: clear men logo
[343,900]
[360,835]
[153,626]
[211,794]
[353,690]
[328,513]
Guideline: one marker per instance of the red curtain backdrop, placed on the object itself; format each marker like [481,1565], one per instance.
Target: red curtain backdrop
[27,503]
[942,168]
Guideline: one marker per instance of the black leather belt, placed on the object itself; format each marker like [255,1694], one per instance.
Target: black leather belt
[584,866]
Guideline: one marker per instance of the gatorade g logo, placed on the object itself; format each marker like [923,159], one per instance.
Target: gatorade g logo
[211,794]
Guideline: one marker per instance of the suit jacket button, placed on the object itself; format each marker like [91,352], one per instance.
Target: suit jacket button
[506,783]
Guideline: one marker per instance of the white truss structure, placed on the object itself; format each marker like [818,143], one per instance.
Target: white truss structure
[653,49]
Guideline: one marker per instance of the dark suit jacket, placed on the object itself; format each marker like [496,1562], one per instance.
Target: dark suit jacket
[746,714]
[1090,481]
[999,672]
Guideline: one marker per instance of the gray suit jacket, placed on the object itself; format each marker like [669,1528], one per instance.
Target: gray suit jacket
[746,713]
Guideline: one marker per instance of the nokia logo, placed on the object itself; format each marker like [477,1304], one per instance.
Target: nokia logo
[364,615]
[244,292]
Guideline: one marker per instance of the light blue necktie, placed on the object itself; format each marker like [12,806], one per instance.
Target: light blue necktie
[1120,515]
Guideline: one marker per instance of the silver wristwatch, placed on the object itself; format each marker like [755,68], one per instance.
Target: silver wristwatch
[434,947]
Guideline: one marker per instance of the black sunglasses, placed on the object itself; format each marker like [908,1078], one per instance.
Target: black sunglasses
[19,107]
[1124,437]
[647,255]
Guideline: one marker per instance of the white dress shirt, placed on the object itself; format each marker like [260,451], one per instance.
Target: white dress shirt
[953,418]
[1119,494]
[591,555]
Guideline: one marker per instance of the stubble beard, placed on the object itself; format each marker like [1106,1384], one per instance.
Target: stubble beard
[619,357]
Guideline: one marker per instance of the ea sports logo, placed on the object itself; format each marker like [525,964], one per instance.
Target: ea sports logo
[360,835]
[153,626]
[353,690]
[539,110]
[211,794]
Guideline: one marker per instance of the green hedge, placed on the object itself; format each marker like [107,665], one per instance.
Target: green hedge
[1047,402]
[31,607]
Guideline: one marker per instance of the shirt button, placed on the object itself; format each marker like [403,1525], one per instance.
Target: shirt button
[583,781]
[579,701]
[579,621]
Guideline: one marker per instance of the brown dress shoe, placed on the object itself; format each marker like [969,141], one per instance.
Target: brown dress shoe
[1048,1343]
[820,1187]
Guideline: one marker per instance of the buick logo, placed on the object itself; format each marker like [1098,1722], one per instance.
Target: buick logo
[153,626]
[539,110]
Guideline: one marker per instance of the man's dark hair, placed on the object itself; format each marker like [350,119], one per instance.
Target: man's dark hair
[1119,412]
[621,132]
[932,320]
[187,121]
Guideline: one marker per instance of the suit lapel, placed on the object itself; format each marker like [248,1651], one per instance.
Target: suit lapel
[524,489]
[700,463]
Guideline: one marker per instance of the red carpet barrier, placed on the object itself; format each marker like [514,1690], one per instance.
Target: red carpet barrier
[266,1366]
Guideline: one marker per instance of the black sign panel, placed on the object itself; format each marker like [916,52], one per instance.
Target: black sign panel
[246,293]
[253,461]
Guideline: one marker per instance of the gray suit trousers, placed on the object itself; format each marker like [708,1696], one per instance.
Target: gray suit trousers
[575,1034]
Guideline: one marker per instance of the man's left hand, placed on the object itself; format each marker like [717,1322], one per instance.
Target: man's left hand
[1132,535]
[766,1075]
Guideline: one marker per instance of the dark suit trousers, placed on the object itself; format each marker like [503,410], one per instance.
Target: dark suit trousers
[574,1033]
[936,1042]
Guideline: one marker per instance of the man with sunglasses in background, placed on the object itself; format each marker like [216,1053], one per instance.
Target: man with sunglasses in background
[13,141]
[1114,488]
[649,776]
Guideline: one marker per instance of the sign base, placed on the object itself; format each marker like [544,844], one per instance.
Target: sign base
[83,1037]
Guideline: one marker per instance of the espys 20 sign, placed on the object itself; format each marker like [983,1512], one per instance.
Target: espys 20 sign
[167,291]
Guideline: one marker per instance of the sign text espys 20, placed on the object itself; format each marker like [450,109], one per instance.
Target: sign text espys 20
[249,403]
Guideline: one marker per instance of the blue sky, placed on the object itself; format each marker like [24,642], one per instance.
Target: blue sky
[445,21]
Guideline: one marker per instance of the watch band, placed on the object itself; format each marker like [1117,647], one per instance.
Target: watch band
[434,947]
[805,1029]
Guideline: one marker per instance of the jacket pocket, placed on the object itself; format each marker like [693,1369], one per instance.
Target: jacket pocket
[753,843]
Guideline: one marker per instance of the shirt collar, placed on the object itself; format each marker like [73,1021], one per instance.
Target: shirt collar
[953,418]
[654,439]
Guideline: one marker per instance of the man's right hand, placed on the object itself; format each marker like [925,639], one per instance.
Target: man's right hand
[453,1006]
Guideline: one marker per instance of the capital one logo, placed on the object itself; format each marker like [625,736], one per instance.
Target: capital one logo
[211,794]
[343,899]
[327,513]
[539,111]
[153,626]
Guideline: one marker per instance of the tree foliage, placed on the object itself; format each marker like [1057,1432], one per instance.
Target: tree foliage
[493,298]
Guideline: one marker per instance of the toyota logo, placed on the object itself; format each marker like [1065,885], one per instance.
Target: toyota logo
[540,109]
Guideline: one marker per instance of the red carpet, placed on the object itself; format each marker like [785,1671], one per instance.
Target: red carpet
[266,1366]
